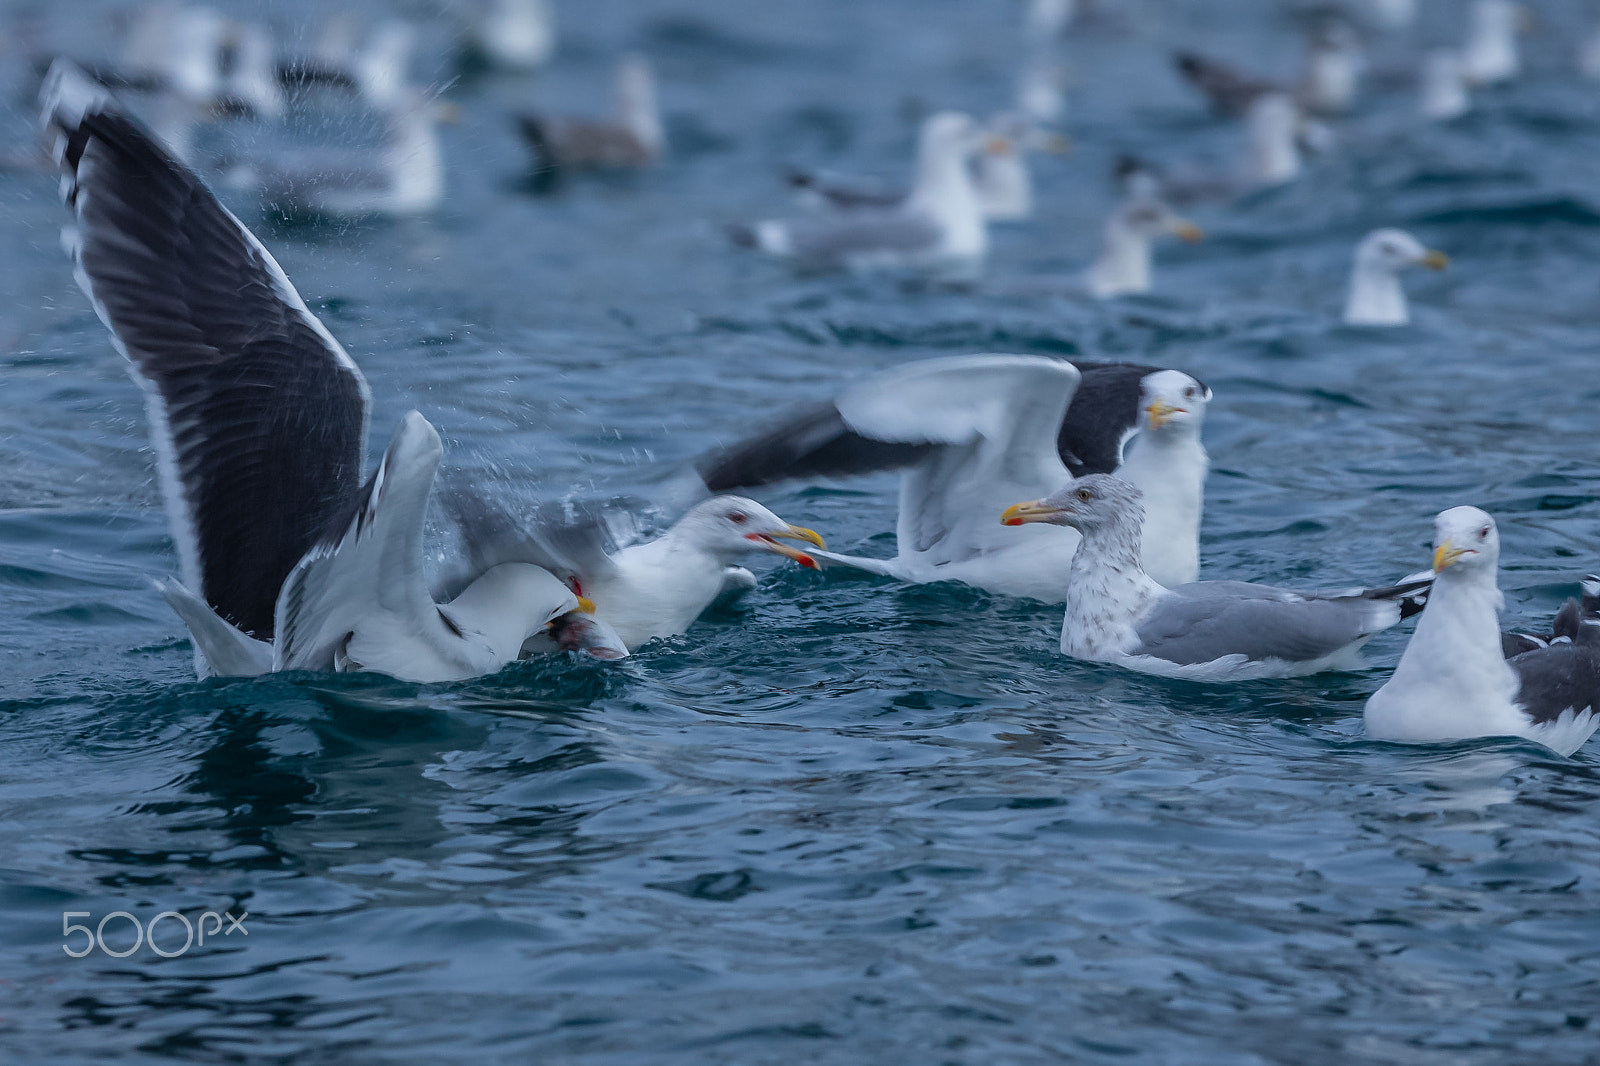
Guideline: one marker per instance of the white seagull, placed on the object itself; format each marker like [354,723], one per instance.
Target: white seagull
[1453,682]
[1202,631]
[940,226]
[259,420]
[1376,298]
[1490,55]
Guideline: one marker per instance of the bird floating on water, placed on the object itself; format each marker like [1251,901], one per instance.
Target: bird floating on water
[1376,297]
[632,137]
[938,228]
[1445,93]
[259,420]
[1204,630]
[1490,55]
[1453,682]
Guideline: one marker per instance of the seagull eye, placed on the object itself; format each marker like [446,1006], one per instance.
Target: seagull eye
[738,518]
[1483,534]
[1190,393]
[1084,494]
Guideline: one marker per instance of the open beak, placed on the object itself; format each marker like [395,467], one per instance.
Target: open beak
[1160,413]
[769,541]
[1435,260]
[1185,230]
[1446,554]
[1020,514]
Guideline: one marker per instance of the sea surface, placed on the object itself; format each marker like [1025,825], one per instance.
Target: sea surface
[846,821]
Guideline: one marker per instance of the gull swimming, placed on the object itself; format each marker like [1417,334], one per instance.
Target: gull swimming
[1453,681]
[967,433]
[259,420]
[1376,298]
[511,35]
[1123,267]
[1204,630]
[939,227]
[406,176]
[632,137]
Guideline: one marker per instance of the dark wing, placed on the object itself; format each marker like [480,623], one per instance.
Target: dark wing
[257,415]
[814,443]
[844,194]
[1230,91]
[1560,678]
[1104,413]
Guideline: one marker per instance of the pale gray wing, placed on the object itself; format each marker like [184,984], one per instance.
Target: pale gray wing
[574,541]
[832,238]
[1206,620]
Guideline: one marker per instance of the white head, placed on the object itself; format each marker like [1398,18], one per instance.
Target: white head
[1171,403]
[731,526]
[1466,545]
[1390,251]
[949,135]
[1123,267]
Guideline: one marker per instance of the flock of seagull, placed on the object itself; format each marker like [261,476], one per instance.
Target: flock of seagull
[1068,482]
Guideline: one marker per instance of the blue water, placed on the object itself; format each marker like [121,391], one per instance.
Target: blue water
[847,821]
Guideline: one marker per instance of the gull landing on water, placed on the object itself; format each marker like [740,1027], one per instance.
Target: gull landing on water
[1453,682]
[259,420]
[970,433]
[1376,298]
[1205,630]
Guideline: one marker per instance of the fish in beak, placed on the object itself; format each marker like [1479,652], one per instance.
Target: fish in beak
[1161,412]
[581,631]
[769,542]
[1019,514]
[1435,260]
[1447,554]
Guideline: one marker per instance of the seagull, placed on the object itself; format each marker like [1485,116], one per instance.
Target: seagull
[641,591]
[969,433]
[1204,630]
[1272,151]
[1376,298]
[939,227]
[1444,86]
[511,35]
[633,137]
[1330,74]
[1000,175]
[404,177]
[1584,611]
[1490,56]
[1123,266]
[1452,682]
[259,420]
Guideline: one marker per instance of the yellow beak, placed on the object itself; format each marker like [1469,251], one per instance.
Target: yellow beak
[586,605]
[1160,412]
[1185,230]
[1435,260]
[792,533]
[1445,555]
[1028,511]
[997,145]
